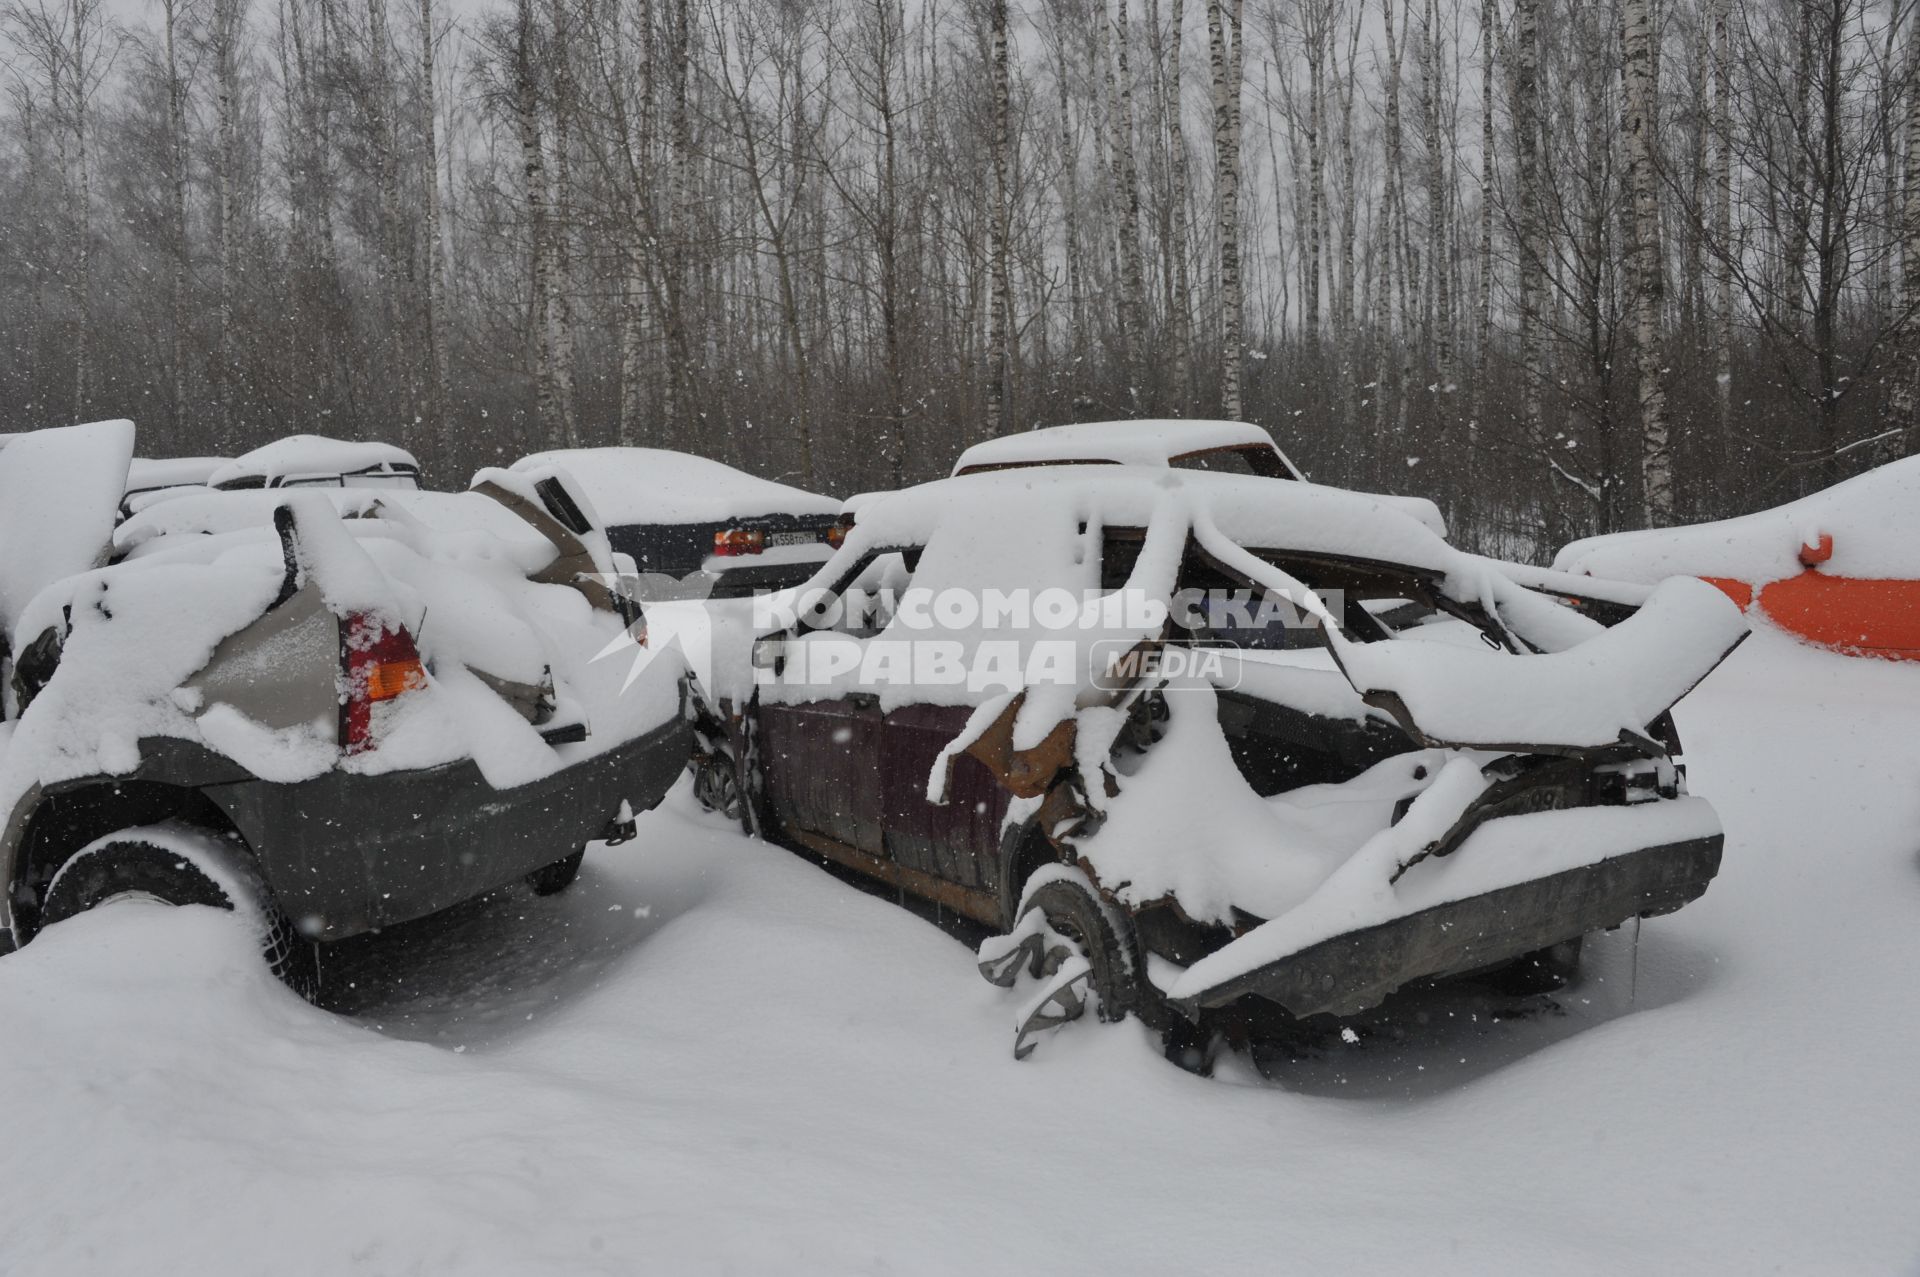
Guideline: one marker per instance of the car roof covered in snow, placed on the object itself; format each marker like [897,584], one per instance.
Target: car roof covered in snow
[658,486]
[1874,520]
[1253,511]
[302,455]
[214,512]
[147,473]
[1130,443]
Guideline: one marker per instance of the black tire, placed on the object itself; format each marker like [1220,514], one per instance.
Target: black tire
[1547,970]
[214,873]
[1119,969]
[555,878]
[716,785]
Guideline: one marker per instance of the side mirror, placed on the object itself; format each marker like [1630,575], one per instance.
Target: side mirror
[770,653]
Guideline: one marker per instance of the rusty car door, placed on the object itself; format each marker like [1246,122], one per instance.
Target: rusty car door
[959,840]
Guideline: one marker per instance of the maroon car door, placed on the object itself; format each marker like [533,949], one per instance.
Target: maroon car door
[958,840]
[821,762]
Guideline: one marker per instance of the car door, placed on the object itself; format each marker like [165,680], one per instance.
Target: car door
[822,763]
[821,758]
[957,841]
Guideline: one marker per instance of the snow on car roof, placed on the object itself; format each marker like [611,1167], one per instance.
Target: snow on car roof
[1133,443]
[1874,520]
[654,486]
[1254,511]
[312,455]
[215,513]
[147,473]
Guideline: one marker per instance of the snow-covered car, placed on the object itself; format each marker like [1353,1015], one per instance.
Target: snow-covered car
[1225,447]
[148,477]
[678,514]
[315,461]
[1839,569]
[334,710]
[1249,752]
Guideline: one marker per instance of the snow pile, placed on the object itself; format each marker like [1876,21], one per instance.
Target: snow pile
[1873,519]
[655,486]
[702,1058]
[1233,850]
[1591,694]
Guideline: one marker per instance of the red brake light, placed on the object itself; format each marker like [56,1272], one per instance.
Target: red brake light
[837,534]
[377,664]
[729,542]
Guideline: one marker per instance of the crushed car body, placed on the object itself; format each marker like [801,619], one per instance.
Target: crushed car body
[374,703]
[1251,743]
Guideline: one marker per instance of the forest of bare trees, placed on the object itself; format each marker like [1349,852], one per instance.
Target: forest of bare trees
[1565,266]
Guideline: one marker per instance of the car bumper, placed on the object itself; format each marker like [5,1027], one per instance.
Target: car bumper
[1355,970]
[348,852]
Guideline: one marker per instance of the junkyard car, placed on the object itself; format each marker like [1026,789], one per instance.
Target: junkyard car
[334,710]
[1223,447]
[677,515]
[315,461]
[1229,751]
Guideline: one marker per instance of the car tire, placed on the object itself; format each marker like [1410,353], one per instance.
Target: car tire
[551,880]
[717,787]
[177,866]
[1071,906]
[1547,970]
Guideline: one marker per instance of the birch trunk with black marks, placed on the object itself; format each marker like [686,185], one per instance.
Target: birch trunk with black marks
[533,194]
[1225,63]
[1526,129]
[437,389]
[1904,400]
[1181,314]
[1638,53]
[1133,287]
[1000,304]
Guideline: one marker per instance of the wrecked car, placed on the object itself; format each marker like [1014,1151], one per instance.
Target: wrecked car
[1226,447]
[333,710]
[316,461]
[679,516]
[1227,753]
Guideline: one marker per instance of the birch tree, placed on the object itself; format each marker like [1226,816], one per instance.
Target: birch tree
[1639,126]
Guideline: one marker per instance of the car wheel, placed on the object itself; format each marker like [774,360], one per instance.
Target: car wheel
[716,784]
[555,878]
[179,866]
[1545,970]
[1067,900]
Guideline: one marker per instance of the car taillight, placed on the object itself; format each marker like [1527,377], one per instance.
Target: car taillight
[378,664]
[736,541]
[837,534]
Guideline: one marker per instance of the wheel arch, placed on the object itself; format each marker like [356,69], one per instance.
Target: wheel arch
[1024,847]
[67,818]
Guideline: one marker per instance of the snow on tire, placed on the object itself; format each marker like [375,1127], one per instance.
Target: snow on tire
[179,865]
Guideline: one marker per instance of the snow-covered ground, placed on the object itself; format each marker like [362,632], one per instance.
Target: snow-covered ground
[710,1056]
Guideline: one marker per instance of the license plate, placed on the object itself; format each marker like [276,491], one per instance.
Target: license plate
[792,538]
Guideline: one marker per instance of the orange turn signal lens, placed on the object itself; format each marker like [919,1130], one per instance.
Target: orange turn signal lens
[391,678]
